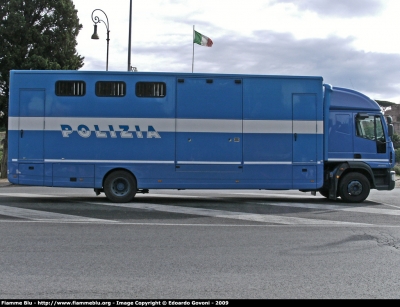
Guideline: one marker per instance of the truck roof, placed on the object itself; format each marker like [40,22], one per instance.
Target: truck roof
[343,98]
[177,74]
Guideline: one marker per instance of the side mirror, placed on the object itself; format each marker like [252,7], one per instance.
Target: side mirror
[390,130]
[389,120]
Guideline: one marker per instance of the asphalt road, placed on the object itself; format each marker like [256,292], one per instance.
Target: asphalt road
[67,243]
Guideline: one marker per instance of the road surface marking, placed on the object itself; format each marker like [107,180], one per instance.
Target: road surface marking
[38,215]
[265,218]
[286,220]
[302,205]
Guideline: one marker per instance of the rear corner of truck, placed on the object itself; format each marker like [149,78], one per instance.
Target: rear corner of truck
[12,140]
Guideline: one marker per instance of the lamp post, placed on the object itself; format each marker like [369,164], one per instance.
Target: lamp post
[130,36]
[97,20]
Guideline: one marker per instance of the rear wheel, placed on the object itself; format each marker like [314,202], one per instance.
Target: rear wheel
[354,188]
[120,186]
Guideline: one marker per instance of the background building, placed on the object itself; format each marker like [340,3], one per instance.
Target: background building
[395,114]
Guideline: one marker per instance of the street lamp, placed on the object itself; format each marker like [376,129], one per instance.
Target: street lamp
[97,20]
[130,36]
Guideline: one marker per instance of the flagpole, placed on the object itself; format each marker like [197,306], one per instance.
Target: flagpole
[193,48]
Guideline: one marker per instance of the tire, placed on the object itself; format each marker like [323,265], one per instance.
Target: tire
[354,188]
[120,186]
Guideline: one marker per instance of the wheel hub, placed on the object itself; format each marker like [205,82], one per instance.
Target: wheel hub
[354,188]
[120,186]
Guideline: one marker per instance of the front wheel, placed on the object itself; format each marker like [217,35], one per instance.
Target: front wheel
[354,188]
[120,187]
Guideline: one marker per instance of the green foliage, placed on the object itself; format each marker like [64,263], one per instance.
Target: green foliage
[397,170]
[36,34]
[396,141]
[397,151]
[2,136]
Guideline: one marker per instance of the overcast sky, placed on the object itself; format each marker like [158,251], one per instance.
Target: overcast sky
[350,43]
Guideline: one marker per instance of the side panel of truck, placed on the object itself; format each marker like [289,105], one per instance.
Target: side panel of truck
[209,126]
[275,143]
[208,131]
[283,131]
[31,136]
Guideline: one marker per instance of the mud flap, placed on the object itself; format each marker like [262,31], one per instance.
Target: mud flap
[334,179]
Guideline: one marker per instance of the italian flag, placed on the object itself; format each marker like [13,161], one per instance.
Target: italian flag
[201,39]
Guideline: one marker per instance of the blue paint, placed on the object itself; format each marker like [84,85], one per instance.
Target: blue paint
[209,131]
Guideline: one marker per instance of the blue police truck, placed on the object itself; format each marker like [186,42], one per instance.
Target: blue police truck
[124,133]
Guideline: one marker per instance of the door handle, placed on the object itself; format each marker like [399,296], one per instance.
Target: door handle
[22,133]
[295,136]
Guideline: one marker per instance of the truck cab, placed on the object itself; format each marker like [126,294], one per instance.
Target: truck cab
[360,153]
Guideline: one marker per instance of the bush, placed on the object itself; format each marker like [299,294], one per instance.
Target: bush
[397,170]
[2,135]
[397,151]
[396,141]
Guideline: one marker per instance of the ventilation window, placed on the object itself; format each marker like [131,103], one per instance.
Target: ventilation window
[150,89]
[110,89]
[70,88]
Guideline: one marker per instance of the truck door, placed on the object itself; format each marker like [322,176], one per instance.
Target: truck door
[31,135]
[304,140]
[209,125]
[370,142]
[31,125]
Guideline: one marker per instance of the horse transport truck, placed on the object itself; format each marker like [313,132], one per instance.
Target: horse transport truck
[124,133]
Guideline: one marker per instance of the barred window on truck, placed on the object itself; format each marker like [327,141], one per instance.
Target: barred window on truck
[110,89]
[70,88]
[150,89]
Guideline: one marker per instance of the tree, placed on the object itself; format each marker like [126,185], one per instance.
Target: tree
[35,34]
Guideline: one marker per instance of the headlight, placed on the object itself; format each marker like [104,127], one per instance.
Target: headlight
[393,175]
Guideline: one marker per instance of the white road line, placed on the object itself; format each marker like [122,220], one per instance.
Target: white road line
[286,220]
[199,211]
[374,201]
[38,215]
[30,195]
[333,207]
[299,205]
